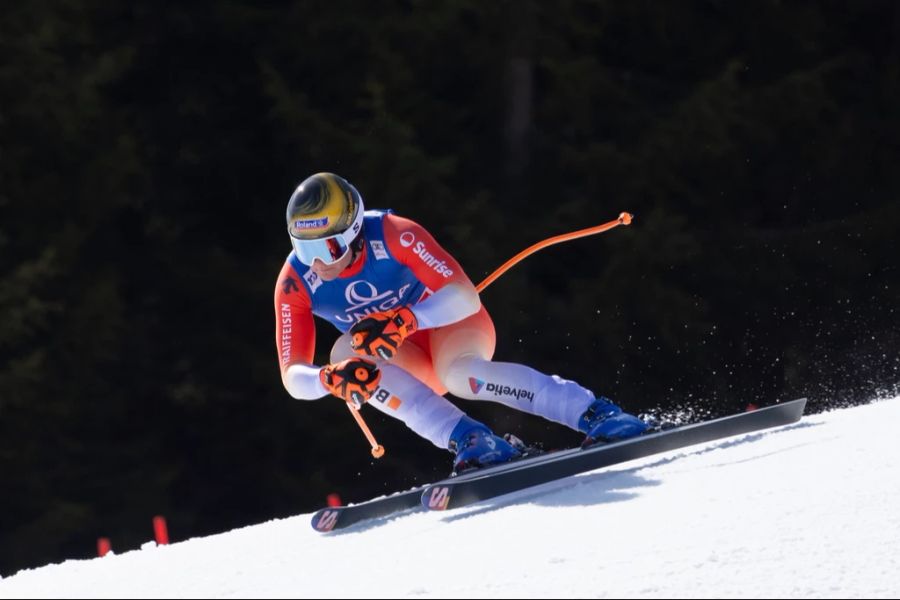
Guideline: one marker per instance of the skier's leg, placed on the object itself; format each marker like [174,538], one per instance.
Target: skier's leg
[462,362]
[519,387]
[402,395]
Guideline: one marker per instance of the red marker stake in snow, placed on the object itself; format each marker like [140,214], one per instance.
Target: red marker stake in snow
[103,546]
[160,531]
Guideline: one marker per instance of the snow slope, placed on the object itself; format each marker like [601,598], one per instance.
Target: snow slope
[807,510]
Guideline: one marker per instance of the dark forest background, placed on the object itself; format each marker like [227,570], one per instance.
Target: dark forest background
[148,150]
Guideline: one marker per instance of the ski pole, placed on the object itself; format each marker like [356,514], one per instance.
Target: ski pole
[624,219]
[377,449]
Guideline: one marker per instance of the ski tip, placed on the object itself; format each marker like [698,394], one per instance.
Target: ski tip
[326,519]
[436,497]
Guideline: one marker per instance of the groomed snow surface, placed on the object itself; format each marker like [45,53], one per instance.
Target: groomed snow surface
[810,510]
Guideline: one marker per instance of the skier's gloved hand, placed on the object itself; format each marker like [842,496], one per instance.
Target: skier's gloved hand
[353,379]
[380,334]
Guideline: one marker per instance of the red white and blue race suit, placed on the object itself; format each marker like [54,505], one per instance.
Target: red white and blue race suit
[401,264]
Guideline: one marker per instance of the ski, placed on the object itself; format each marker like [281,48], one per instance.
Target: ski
[490,482]
[509,477]
[339,517]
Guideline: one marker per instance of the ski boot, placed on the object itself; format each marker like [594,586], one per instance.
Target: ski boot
[605,422]
[476,446]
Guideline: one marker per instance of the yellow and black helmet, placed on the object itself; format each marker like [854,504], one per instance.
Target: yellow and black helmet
[324,217]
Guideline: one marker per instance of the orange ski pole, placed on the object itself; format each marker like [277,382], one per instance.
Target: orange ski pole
[624,219]
[377,449]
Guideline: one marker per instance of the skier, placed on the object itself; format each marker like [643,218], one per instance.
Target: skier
[413,328]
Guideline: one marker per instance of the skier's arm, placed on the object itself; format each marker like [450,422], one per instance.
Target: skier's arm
[295,337]
[454,297]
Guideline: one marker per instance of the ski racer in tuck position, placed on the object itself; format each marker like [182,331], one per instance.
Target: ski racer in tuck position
[412,328]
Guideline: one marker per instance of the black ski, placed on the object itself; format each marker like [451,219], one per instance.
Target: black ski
[487,483]
[510,477]
[339,517]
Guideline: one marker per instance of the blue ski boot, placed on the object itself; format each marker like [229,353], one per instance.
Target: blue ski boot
[476,446]
[603,421]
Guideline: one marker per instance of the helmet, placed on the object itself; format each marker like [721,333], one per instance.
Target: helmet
[324,218]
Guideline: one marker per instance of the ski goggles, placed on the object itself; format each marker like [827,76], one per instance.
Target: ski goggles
[328,249]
